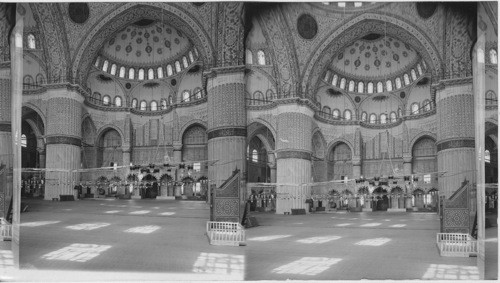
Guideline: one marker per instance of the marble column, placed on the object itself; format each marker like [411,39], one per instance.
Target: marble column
[294,154]
[455,135]
[63,142]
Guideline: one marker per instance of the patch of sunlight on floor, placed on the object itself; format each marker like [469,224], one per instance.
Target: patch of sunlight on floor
[343,224]
[269,238]
[373,242]
[6,259]
[447,272]
[140,212]
[354,218]
[143,229]
[298,223]
[307,266]
[77,252]
[113,211]
[166,213]
[371,224]
[67,209]
[38,223]
[367,219]
[387,219]
[88,226]
[225,264]
[398,225]
[318,240]
[156,207]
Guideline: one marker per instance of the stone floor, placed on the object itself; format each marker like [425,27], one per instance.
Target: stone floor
[160,240]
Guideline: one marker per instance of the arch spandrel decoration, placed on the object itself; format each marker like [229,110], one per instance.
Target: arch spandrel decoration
[360,26]
[130,13]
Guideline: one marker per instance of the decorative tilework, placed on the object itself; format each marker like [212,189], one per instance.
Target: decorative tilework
[456,143]
[63,140]
[293,154]
[64,116]
[227,132]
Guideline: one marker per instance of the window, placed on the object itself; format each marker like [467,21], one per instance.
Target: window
[28,82]
[261,57]
[327,76]
[151,74]
[105,66]
[169,70]
[427,105]
[347,115]
[185,96]
[97,97]
[351,86]
[336,113]
[255,156]
[370,87]
[163,104]
[113,70]
[491,98]
[393,117]
[248,57]
[383,118]
[334,80]
[39,79]
[185,61]
[197,167]
[373,118]
[493,56]
[118,101]
[487,156]
[24,142]
[141,74]
[195,51]
[413,75]
[170,100]
[419,69]
[31,41]
[134,103]
[177,66]
[97,62]
[327,111]
[363,116]
[342,83]
[398,83]
[122,72]
[414,108]
[424,64]
[341,4]
[160,72]
[143,105]
[427,178]
[197,93]
[191,57]
[361,86]
[400,113]
[380,87]
[388,85]
[154,106]
[269,95]
[406,79]
[131,73]
[105,100]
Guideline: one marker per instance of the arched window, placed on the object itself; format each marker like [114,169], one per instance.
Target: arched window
[327,111]
[493,56]
[39,80]
[31,41]
[185,61]
[327,76]
[351,86]
[170,100]
[427,105]
[177,66]
[335,79]
[364,116]
[413,75]
[388,85]
[406,79]
[347,115]
[163,104]
[336,113]
[169,70]
[154,106]
[24,141]
[424,64]
[118,101]
[398,83]
[380,87]
[151,74]
[113,70]
[373,118]
[370,87]
[97,98]
[134,103]
[258,98]
[196,51]
[339,162]
[185,96]
[342,83]
[160,72]
[400,113]
[197,93]
[105,100]
[255,156]
[97,61]
[141,74]
[105,66]
[122,72]
[131,73]
[393,117]
[269,95]
[419,69]
[28,82]
[491,98]
[143,105]
[261,57]
[248,57]
[361,87]
[191,57]
[383,118]
[414,108]
[487,155]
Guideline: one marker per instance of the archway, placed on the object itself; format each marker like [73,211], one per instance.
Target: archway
[418,198]
[431,199]
[32,153]
[340,162]
[194,153]
[149,187]
[187,186]
[166,186]
[261,163]
[397,198]
[109,152]
[381,201]
[424,160]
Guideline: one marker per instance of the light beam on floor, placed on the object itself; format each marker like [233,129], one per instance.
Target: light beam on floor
[88,226]
[373,242]
[307,266]
[343,224]
[398,225]
[77,252]
[269,238]
[451,272]
[140,212]
[318,240]
[143,229]
[38,223]
[113,211]
[166,213]
[223,264]
[371,224]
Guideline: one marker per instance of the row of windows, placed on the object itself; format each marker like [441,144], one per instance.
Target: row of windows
[261,57]
[30,83]
[372,87]
[149,74]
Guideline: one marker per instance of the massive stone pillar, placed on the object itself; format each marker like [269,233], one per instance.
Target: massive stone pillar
[294,152]
[5,138]
[63,142]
